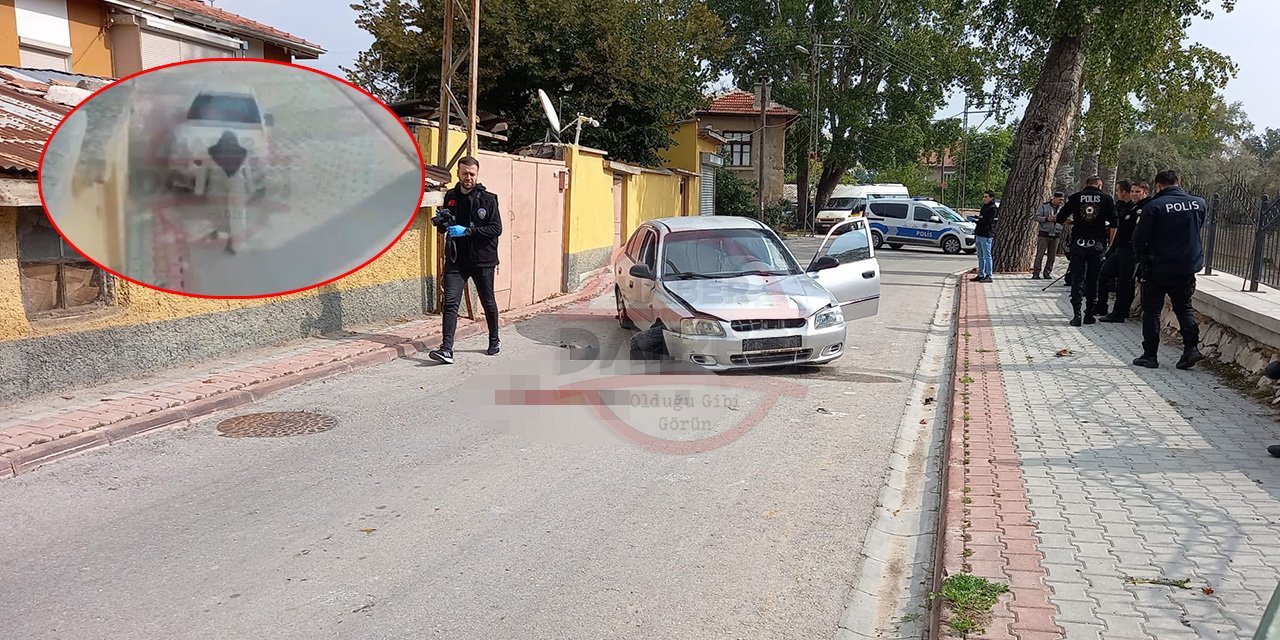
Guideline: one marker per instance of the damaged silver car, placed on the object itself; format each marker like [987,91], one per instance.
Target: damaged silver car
[724,292]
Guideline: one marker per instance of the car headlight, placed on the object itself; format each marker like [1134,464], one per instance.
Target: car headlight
[701,327]
[829,317]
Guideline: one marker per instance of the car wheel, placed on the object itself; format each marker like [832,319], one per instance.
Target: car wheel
[877,240]
[951,245]
[895,245]
[624,320]
[649,344]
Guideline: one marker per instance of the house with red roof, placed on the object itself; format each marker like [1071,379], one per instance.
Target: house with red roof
[749,139]
[117,38]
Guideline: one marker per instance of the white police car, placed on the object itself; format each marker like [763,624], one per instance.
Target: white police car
[920,222]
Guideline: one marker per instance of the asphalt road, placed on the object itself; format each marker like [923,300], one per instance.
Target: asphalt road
[413,518]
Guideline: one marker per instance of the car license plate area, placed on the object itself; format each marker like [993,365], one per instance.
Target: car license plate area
[771,344]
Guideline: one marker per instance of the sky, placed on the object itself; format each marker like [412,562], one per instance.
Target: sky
[1244,35]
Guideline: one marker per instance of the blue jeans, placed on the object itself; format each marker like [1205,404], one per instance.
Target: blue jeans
[985,264]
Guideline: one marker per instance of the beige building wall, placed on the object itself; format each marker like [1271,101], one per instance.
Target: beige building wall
[775,140]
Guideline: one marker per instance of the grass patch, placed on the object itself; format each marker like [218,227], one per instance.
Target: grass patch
[1234,376]
[966,500]
[1184,583]
[970,599]
[966,380]
[967,553]
[911,617]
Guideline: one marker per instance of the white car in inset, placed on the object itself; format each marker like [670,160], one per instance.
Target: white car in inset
[233,111]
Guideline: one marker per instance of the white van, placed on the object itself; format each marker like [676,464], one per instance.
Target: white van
[845,198]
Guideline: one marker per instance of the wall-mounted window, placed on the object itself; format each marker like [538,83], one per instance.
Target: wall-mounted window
[56,281]
[738,148]
[44,34]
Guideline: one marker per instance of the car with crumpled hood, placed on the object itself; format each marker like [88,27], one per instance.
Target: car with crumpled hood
[725,292]
[220,113]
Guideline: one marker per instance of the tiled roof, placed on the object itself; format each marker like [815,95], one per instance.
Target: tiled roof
[744,103]
[214,13]
[28,118]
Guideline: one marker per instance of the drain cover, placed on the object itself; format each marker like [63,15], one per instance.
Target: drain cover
[279,424]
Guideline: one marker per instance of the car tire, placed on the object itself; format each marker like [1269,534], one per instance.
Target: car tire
[951,245]
[624,320]
[877,239]
[649,344]
[895,245]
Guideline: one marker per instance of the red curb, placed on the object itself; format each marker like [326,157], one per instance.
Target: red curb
[122,419]
[986,510]
[32,457]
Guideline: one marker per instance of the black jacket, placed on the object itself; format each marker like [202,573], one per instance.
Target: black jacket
[478,212]
[1092,213]
[1129,213]
[986,227]
[1167,238]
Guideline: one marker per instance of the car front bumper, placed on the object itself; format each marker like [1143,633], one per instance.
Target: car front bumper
[817,346]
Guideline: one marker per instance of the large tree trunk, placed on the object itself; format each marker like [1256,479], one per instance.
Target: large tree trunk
[1041,138]
[827,183]
[1109,177]
[1090,165]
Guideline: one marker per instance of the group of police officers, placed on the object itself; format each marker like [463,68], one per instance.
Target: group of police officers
[1151,237]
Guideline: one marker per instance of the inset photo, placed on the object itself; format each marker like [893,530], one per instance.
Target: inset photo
[231,178]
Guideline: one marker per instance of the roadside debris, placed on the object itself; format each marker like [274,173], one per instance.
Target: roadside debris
[1062,353]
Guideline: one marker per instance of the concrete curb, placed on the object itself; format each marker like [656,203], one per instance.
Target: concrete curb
[86,430]
[898,552]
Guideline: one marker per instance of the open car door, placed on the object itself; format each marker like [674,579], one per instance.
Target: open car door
[846,265]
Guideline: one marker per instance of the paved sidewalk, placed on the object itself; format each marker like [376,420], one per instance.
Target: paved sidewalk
[54,428]
[1079,479]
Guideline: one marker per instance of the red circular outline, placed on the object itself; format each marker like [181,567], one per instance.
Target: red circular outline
[407,226]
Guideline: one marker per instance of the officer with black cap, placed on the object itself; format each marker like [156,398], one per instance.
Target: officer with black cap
[1093,224]
[1167,244]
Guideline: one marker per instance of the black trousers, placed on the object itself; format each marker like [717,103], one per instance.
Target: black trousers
[1119,266]
[1179,289]
[1085,268]
[454,279]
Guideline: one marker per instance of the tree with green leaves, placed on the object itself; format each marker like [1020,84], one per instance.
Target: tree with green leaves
[1059,50]
[637,67]
[883,71]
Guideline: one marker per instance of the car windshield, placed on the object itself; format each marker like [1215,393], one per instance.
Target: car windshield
[842,203]
[724,253]
[948,214]
[224,108]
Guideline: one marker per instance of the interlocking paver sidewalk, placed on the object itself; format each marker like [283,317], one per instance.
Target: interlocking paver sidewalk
[1130,475]
[46,430]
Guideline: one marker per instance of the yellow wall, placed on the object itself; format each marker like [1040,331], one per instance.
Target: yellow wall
[9,35]
[13,319]
[589,205]
[650,196]
[89,52]
[683,153]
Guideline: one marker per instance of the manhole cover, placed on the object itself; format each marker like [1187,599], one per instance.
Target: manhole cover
[279,424]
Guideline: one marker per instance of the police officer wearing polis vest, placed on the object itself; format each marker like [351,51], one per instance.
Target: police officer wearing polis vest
[471,253]
[1167,243]
[1093,224]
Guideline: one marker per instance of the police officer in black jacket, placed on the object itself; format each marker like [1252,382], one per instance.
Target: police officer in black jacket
[471,253]
[1121,261]
[1093,224]
[1167,243]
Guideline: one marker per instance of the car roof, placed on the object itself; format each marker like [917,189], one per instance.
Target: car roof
[226,89]
[703,223]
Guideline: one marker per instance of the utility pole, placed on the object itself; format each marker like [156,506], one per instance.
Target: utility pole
[764,128]
[450,106]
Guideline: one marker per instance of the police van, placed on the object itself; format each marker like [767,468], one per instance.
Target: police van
[845,199]
[920,222]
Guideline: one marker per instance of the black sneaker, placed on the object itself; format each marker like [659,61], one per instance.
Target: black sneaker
[1036,276]
[1274,450]
[1189,359]
[976,279]
[1075,322]
[495,347]
[1149,362]
[1112,318]
[1089,319]
[443,356]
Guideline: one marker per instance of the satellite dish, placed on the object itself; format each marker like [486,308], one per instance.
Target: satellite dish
[550,110]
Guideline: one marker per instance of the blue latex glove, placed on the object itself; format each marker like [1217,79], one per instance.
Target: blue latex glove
[457,230]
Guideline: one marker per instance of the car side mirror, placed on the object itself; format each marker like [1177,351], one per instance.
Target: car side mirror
[823,263]
[641,271]
[935,219]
